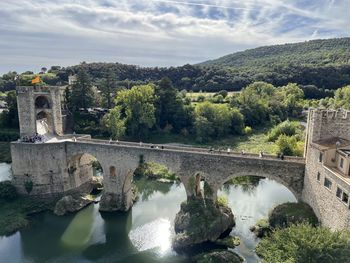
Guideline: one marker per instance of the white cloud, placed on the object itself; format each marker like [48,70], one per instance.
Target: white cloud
[156,32]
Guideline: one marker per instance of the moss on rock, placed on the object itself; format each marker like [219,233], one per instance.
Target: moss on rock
[218,256]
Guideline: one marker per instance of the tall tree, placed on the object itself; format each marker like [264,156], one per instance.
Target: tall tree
[136,108]
[170,107]
[107,87]
[82,95]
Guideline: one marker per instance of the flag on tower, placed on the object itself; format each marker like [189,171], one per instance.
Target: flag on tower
[36,80]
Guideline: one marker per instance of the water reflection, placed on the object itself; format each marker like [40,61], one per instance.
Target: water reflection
[5,171]
[156,234]
[142,235]
[250,206]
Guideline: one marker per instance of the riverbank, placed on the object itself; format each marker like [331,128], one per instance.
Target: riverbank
[15,214]
[5,152]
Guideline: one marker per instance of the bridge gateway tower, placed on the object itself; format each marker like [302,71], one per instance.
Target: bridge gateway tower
[39,110]
[327,173]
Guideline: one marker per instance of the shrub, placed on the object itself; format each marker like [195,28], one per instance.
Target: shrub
[7,191]
[222,200]
[287,145]
[287,127]
[305,244]
[248,130]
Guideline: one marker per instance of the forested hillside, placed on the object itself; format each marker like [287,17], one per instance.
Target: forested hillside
[322,63]
[316,53]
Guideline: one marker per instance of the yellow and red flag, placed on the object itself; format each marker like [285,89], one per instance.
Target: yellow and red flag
[36,80]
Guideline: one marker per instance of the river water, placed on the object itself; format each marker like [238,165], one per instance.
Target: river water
[142,235]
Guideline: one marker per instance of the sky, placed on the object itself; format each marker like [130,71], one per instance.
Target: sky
[38,33]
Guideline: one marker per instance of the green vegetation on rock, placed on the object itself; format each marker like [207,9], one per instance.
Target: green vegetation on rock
[218,256]
[15,214]
[292,213]
[305,244]
[230,242]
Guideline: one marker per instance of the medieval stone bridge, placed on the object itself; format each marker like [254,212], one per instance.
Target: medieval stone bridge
[62,166]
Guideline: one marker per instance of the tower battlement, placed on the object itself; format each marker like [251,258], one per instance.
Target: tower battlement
[326,124]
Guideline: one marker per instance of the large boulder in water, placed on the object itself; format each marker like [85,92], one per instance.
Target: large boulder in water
[199,221]
[71,204]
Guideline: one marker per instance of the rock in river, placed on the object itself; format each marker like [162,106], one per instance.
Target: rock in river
[71,204]
[201,220]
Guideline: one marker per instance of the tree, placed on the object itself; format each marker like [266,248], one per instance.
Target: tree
[287,144]
[9,117]
[342,98]
[169,106]
[115,123]
[82,95]
[305,244]
[107,87]
[212,120]
[136,107]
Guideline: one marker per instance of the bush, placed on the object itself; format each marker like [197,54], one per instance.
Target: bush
[222,200]
[7,191]
[287,145]
[288,214]
[8,135]
[288,128]
[248,130]
[305,244]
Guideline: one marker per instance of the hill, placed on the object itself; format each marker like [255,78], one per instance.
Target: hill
[322,63]
[321,53]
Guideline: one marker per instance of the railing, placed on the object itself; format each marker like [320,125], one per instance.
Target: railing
[189,149]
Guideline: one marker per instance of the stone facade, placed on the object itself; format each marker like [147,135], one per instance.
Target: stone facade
[29,108]
[322,181]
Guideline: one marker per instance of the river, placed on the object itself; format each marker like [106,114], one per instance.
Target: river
[142,235]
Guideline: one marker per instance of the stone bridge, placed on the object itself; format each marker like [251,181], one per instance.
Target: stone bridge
[62,166]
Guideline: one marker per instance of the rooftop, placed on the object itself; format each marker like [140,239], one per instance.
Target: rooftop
[334,142]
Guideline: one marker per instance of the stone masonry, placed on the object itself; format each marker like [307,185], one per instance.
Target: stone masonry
[331,210]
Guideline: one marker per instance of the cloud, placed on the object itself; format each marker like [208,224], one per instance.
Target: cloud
[156,32]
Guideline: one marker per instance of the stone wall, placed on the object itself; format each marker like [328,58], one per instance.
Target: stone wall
[331,210]
[325,124]
[50,167]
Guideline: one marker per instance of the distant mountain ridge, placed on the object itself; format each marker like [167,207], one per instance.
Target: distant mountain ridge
[321,52]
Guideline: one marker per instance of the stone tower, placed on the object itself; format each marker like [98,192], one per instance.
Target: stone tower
[327,171]
[39,110]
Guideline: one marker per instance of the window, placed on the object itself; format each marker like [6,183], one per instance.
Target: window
[318,176]
[345,198]
[320,157]
[327,183]
[339,192]
[341,162]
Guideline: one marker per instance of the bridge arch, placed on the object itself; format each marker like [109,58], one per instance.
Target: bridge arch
[81,169]
[279,179]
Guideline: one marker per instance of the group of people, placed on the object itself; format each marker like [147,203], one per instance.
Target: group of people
[37,138]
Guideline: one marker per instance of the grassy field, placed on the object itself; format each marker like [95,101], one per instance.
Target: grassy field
[5,153]
[253,143]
